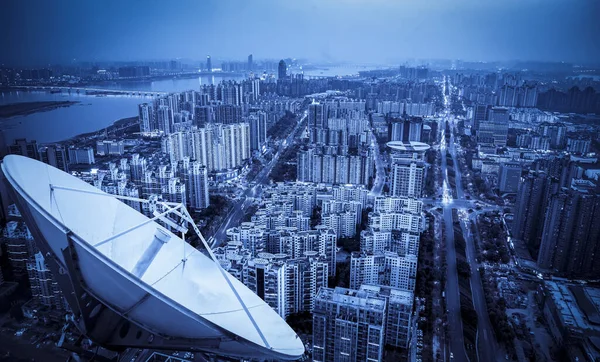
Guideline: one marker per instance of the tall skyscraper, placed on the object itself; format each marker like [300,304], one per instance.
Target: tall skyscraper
[164,119]
[258,132]
[146,118]
[208,63]
[530,209]
[348,325]
[282,70]
[570,242]
[250,63]
[304,164]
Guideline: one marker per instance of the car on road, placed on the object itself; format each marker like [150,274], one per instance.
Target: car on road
[451,355]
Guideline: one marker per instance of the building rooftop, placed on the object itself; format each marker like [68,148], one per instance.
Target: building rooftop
[395,295]
[579,306]
[411,146]
[352,297]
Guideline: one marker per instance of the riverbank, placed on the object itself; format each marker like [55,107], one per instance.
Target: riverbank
[120,128]
[26,108]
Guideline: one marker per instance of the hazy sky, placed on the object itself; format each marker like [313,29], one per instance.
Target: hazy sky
[374,31]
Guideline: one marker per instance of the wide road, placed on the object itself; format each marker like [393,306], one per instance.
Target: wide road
[379,167]
[455,340]
[486,343]
[247,198]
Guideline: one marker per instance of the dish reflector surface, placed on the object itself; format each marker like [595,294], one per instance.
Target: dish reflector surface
[152,258]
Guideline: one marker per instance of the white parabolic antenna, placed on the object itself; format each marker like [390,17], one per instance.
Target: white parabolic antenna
[130,282]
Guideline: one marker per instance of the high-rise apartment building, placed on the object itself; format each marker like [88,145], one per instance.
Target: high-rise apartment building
[195,177]
[407,179]
[317,115]
[258,132]
[509,176]
[253,238]
[44,288]
[315,166]
[289,285]
[110,147]
[406,130]
[24,148]
[227,113]
[400,221]
[535,192]
[570,242]
[348,325]
[385,204]
[383,268]
[55,156]
[20,246]
[268,281]
[375,240]
[146,118]
[81,155]
[557,132]
[216,146]
[399,312]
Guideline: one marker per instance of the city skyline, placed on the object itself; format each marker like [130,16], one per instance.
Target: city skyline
[327,181]
[387,32]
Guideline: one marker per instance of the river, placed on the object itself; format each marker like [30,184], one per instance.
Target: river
[90,114]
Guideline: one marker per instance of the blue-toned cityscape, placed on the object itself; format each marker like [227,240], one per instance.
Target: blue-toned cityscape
[440,202]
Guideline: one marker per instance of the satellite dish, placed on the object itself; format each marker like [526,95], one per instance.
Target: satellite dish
[131,282]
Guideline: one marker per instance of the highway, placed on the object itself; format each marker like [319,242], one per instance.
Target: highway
[486,344]
[247,198]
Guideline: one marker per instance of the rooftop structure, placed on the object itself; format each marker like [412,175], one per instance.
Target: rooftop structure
[573,314]
[406,146]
